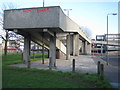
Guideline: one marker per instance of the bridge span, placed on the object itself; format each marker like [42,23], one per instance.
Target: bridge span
[105,42]
[50,28]
[47,26]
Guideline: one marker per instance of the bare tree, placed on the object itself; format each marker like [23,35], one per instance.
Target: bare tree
[87,31]
[7,34]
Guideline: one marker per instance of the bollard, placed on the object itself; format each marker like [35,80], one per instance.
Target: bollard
[98,68]
[73,69]
[28,64]
[102,72]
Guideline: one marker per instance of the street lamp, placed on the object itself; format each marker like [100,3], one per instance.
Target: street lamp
[43,3]
[107,33]
[67,11]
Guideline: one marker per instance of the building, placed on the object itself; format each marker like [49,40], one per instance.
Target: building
[111,38]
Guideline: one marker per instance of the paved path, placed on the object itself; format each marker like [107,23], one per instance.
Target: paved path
[84,64]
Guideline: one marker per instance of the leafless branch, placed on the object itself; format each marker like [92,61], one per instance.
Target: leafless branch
[3,7]
[2,37]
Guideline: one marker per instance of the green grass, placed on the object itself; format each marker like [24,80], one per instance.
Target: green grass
[17,58]
[39,55]
[14,77]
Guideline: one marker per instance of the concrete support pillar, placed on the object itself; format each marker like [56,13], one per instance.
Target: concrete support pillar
[71,44]
[76,44]
[52,51]
[42,48]
[26,53]
[89,49]
[80,44]
[68,47]
[86,47]
[83,47]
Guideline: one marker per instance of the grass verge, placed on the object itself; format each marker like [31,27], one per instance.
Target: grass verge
[14,77]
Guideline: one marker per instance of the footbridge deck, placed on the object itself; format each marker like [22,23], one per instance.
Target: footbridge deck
[105,42]
[42,25]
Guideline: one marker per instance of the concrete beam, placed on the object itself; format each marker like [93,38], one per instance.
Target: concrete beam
[60,46]
[26,53]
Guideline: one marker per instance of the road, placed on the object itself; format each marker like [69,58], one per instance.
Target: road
[112,70]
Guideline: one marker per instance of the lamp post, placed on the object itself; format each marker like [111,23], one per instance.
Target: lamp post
[107,33]
[43,3]
[67,11]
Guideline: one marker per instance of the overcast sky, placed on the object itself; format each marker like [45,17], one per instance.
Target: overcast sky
[92,14]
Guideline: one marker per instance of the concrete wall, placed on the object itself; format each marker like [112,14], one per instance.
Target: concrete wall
[60,46]
[60,54]
[66,24]
[48,17]
[31,18]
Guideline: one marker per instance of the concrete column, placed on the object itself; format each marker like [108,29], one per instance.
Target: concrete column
[42,48]
[71,44]
[80,44]
[86,47]
[83,47]
[76,44]
[89,49]
[68,47]
[52,51]
[26,53]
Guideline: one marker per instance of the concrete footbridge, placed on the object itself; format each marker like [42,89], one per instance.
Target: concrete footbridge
[48,27]
[105,42]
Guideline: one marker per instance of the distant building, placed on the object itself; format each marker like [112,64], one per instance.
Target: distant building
[111,38]
[100,37]
[17,45]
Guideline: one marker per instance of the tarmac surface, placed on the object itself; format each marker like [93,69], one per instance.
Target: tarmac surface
[112,70]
